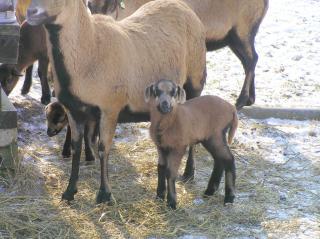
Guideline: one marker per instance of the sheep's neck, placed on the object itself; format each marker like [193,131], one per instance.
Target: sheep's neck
[76,33]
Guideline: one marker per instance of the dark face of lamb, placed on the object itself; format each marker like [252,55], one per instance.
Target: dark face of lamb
[57,118]
[166,95]
[9,77]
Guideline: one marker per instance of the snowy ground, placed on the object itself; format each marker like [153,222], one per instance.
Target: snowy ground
[287,75]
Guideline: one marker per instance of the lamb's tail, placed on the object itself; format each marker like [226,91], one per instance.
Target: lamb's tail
[233,127]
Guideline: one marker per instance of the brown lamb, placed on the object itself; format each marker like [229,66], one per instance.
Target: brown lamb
[175,126]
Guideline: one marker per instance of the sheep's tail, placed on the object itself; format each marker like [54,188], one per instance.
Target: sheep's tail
[233,127]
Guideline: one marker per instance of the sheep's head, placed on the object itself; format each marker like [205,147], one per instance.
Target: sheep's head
[46,11]
[57,118]
[9,77]
[165,94]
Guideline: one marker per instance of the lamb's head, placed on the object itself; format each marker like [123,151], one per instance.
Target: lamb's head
[46,11]
[57,118]
[164,95]
[9,77]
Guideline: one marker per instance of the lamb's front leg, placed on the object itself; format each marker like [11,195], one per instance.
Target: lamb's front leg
[162,169]
[174,160]
[108,123]
[76,143]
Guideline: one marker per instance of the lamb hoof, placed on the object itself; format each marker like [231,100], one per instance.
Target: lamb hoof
[172,205]
[90,158]
[68,196]
[45,99]
[66,154]
[186,178]
[103,197]
[228,199]
[160,197]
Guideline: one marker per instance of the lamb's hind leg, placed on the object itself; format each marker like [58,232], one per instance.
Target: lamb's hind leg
[108,124]
[76,143]
[244,49]
[224,160]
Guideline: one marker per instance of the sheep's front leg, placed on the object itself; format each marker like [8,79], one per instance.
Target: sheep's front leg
[174,160]
[108,125]
[76,143]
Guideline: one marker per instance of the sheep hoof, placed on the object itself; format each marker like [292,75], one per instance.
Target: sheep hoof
[244,101]
[228,199]
[45,99]
[68,196]
[208,193]
[103,196]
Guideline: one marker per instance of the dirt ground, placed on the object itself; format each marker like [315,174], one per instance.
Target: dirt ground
[278,161]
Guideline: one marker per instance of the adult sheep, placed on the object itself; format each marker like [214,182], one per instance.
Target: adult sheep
[102,66]
[232,23]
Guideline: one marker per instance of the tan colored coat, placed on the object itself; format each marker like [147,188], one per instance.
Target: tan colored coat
[111,63]
[196,120]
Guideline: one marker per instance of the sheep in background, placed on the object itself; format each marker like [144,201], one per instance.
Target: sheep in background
[232,23]
[175,126]
[102,66]
[32,47]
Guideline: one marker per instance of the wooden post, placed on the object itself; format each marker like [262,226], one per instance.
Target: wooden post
[8,133]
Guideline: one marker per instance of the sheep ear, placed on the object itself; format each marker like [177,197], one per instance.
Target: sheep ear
[181,95]
[149,92]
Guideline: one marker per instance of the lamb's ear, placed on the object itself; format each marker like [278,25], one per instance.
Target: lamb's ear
[148,93]
[181,95]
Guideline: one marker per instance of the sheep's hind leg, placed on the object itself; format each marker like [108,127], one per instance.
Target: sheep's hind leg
[27,81]
[43,75]
[107,128]
[245,51]
[66,152]
[76,143]
[88,135]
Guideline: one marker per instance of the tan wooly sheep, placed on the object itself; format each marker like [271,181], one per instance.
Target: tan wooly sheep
[57,120]
[175,126]
[232,23]
[102,66]
[32,47]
